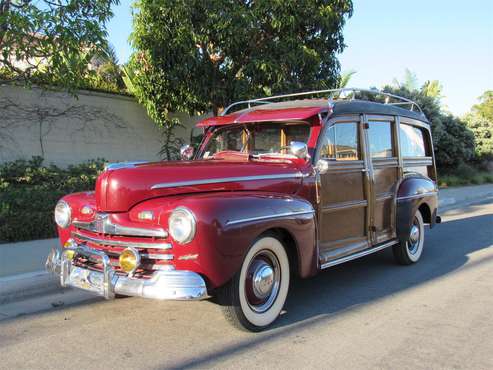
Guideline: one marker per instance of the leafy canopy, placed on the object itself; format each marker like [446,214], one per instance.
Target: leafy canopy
[51,42]
[480,121]
[196,56]
[453,141]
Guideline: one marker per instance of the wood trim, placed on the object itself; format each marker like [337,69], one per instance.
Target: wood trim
[344,166]
[417,161]
[385,162]
[384,196]
[377,117]
[344,205]
[414,122]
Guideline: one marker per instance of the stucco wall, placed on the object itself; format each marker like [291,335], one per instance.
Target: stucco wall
[67,130]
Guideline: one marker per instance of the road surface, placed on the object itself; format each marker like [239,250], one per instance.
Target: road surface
[369,313]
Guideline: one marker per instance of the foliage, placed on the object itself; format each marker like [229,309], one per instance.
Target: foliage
[51,43]
[480,121]
[410,81]
[345,78]
[463,175]
[29,192]
[453,141]
[196,56]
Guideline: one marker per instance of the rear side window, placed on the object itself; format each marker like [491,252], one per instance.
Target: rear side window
[341,142]
[380,139]
[412,141]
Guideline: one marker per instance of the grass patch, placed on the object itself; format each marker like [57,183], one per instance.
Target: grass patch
[464,175]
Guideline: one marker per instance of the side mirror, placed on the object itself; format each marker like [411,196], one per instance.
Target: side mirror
[322,166]
[186,152]
[298,149]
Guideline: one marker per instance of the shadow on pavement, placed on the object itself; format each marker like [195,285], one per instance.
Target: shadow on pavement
[315,301]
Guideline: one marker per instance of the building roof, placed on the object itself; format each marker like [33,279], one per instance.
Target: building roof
[300,110]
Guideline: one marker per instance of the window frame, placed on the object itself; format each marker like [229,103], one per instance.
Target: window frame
[332,121]
[393,144]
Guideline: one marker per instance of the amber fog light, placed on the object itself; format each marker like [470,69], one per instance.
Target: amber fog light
[129,260]
[69,253]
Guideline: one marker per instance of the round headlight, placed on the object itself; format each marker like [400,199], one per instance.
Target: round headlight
[129,260]
[182,225]
[62,214]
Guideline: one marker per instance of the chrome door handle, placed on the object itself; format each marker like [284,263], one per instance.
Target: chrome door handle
[364,170]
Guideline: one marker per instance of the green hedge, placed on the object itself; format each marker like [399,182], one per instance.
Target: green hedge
[29,192]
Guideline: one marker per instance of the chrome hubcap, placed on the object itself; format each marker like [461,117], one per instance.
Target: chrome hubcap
[414,235]
[262,281]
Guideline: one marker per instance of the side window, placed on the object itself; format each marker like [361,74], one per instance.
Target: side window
[380,139]
[341,142]
[412,141]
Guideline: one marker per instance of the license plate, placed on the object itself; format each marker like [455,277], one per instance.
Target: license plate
[87,280]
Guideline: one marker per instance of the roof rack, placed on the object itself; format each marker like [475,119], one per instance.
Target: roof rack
[333,94]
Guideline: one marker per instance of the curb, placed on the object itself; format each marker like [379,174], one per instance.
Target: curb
[22,286]
[447,203]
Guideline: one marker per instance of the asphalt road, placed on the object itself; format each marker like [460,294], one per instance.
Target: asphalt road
[368,313]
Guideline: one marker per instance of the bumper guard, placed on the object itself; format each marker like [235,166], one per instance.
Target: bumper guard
[172,284]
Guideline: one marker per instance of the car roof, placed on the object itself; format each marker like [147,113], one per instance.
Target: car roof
[300,110]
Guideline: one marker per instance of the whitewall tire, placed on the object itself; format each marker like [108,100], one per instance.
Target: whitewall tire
[255,296]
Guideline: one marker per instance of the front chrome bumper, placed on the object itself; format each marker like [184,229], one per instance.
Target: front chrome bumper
[172,284]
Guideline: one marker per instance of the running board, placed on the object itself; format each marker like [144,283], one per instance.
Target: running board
[363,253]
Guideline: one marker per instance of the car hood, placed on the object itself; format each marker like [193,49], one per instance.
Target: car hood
[118,190]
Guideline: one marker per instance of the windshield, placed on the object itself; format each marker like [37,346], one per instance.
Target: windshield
[256,139]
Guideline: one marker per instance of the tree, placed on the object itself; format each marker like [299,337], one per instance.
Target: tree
[480,121]
[51,42]
[410,81]
[345,78]
[197,56]
[453,141]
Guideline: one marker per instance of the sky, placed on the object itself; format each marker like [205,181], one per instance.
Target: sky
[446,40]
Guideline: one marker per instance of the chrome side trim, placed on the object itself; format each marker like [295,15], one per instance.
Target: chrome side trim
[267,217]
[384,196]
[118,165]
[153,256]
[419,195]
[119,243]
[227,179]
[103,224]
[354,256]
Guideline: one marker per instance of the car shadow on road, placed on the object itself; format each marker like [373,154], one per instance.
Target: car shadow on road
[318,300]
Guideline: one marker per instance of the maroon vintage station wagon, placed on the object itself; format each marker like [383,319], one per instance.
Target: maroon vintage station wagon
[279,187]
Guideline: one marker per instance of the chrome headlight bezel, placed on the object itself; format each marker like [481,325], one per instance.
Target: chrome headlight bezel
[184,214]
[63,214]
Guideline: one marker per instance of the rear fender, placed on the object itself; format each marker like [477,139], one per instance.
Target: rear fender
[415,192]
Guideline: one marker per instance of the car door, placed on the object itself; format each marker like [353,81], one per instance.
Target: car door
[381,138]
[343,190]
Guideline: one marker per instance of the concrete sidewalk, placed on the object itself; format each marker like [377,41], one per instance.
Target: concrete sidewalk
[22,264]
[455,196]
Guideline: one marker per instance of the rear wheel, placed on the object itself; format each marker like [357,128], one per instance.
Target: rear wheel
[255,296]
[410,251]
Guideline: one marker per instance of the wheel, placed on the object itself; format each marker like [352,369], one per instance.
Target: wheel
[410,251]
[255,296]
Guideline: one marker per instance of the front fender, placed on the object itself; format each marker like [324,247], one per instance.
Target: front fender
[228,224]
[412,194]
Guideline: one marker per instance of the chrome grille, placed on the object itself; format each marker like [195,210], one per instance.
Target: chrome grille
[155,253]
